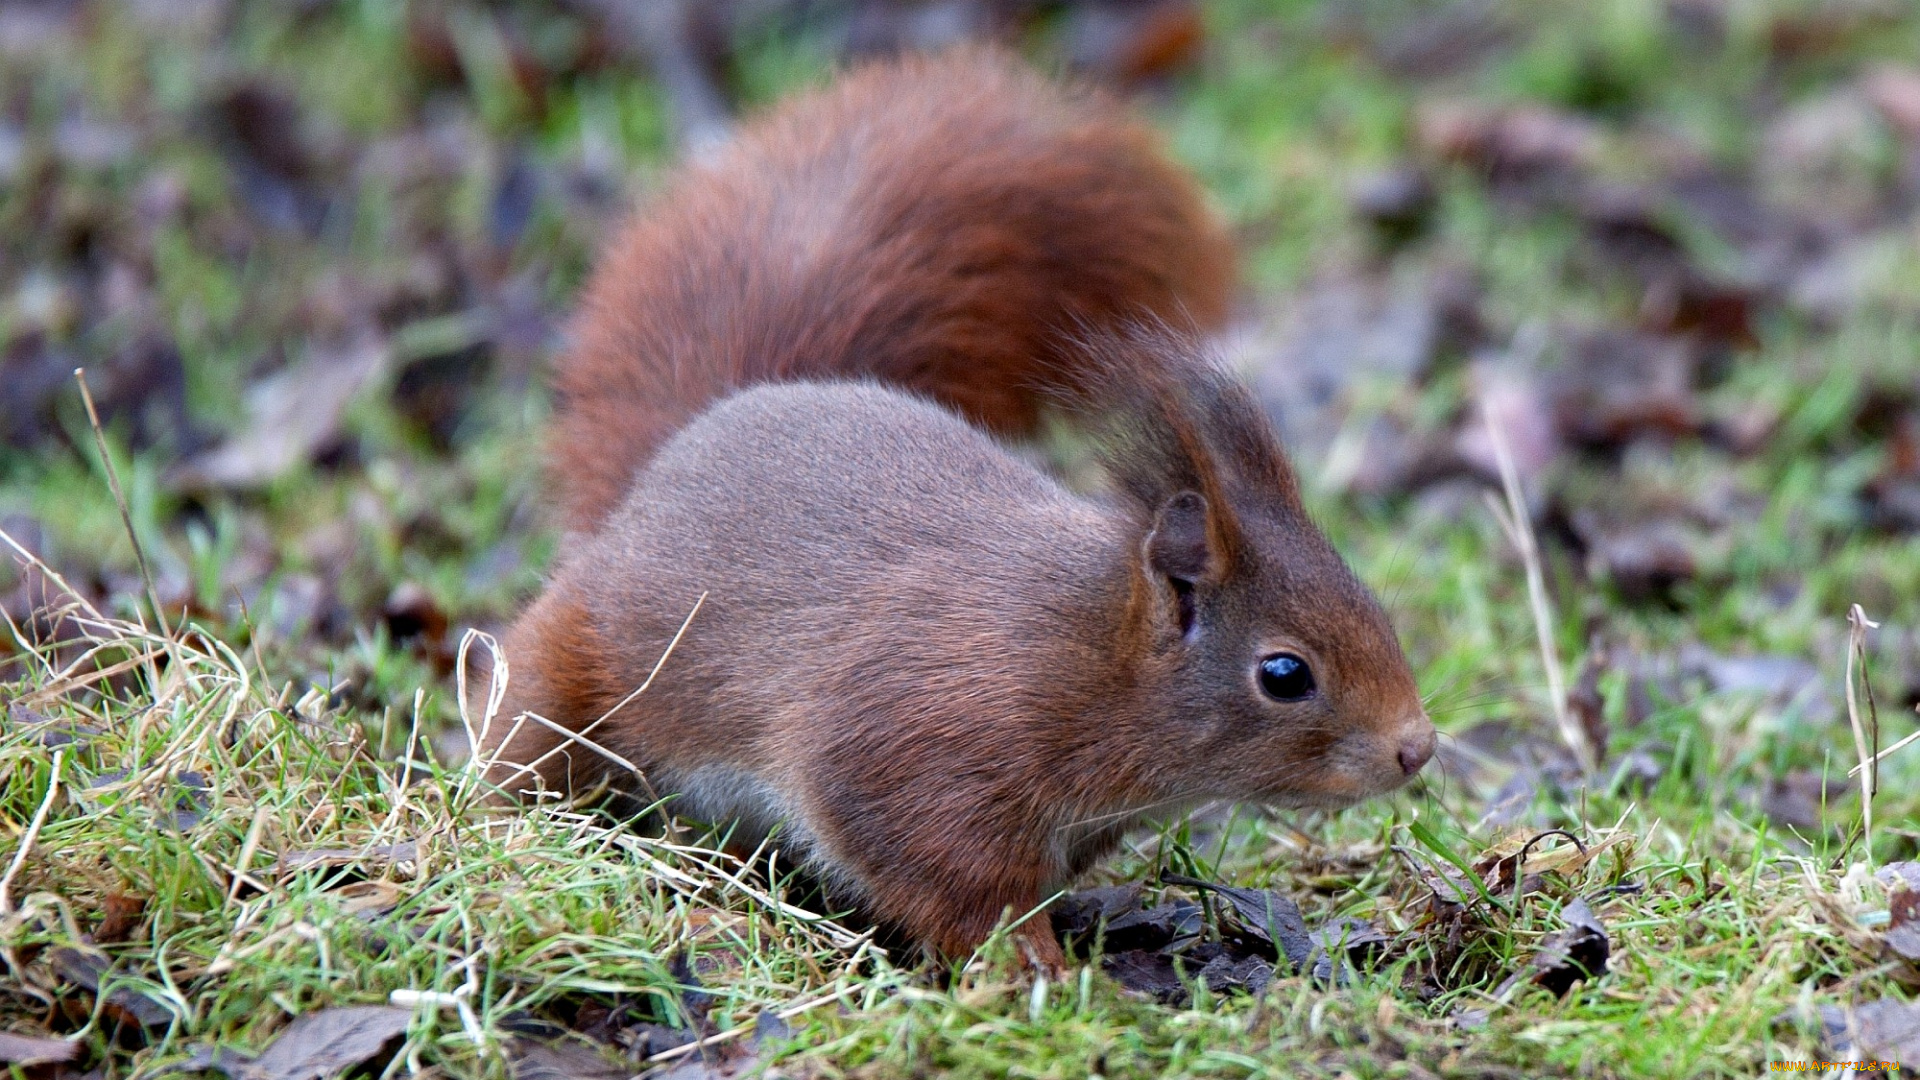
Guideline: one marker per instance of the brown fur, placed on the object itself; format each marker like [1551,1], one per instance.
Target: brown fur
[948,681]
[934,223]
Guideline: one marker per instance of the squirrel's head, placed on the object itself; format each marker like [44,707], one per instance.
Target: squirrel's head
[1277,660]
[1277,668]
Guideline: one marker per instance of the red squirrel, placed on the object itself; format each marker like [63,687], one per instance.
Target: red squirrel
[949,683]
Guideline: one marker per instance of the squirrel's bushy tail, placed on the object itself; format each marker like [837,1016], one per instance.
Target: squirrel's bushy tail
[938,223]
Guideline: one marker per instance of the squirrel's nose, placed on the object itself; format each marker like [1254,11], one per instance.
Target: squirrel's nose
[1415,749]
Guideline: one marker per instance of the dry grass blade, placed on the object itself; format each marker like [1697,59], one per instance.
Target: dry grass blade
[1886,753]
[499,673]
[120,499]
[32,834]
[1866,732]
[1517,523]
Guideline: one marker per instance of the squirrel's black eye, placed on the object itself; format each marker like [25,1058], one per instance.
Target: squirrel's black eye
[1286,677]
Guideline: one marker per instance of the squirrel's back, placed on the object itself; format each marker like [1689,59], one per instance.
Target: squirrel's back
[844,545]
[937,223]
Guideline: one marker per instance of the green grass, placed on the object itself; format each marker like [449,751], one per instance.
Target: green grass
[1729,927]
[1737,927]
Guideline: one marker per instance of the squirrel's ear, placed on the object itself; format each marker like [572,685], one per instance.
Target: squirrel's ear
[1182,545]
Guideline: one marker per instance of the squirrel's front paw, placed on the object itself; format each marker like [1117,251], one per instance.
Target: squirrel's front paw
[1040,951]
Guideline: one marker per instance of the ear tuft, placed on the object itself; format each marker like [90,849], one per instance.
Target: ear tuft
[1181,545]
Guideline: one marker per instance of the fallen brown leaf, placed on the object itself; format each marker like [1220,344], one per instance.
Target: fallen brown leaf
[274,152]
[1566,956]
[566,1059]
[1785,682]
[29,1050]
[412,613]
[1226,971]
[1903,928]
[1113,916]
[120,916]
[1616,386]
[1899,875]
[1149,973]
[1270,917]
[189,793]
[1079,917]
[293,415]
[1131,43]
[321,1045]
[725,1060]
[1884,1030]
[1398,202]
[1646,560]
[1340,942]
[1507,143]
[1500,862]
[1798,800]
[87,969]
